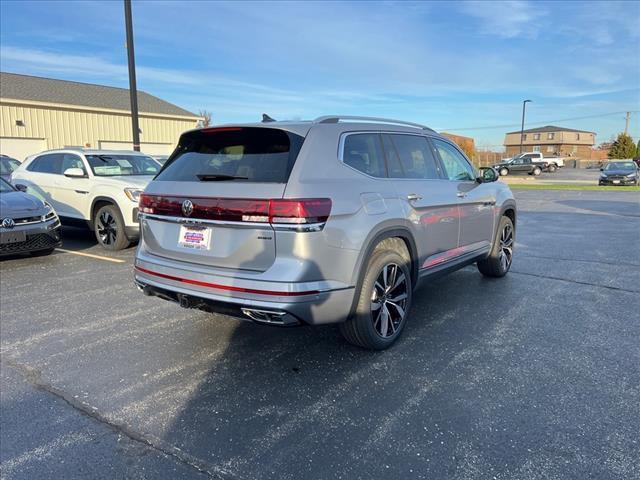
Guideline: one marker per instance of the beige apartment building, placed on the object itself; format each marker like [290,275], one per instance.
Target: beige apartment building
[552,141]
[39,114]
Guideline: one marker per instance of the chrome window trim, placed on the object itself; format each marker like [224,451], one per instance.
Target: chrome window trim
[297,227]
[344,135]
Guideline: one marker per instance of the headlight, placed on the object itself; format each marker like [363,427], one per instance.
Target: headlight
[603,175]
[133,194]
[49,213]
[47,206]
[631,175]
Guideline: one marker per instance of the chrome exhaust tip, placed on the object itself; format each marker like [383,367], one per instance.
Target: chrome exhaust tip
[270,317]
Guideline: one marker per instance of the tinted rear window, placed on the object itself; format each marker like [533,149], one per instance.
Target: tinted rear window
[252,154]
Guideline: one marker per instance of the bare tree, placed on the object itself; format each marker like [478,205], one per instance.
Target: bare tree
[206,117]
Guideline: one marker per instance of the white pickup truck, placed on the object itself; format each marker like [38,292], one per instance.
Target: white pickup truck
[553,163]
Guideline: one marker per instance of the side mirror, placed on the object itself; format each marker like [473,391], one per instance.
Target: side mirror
[602,169]
[74,173]
[21,187]
[487,175]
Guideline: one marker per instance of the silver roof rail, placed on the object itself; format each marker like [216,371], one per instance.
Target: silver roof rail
[337,118]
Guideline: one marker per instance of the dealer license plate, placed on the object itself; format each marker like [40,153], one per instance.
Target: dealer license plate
[195,238]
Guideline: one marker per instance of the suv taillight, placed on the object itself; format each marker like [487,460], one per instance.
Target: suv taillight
[276,211]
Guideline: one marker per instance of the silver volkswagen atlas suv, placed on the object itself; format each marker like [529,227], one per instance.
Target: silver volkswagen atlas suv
[335,220]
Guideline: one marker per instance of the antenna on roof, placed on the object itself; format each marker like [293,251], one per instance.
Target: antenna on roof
[266,118]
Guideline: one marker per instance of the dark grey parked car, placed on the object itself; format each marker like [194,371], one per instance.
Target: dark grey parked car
[27,224]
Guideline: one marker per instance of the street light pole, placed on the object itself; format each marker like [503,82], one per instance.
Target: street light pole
[524,106]
[133,92]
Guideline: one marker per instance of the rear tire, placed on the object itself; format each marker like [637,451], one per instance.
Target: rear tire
[108,225]
[384,301]
[552,168]
[504,172]
[498,263]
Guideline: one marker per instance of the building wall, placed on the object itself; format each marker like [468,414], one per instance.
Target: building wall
[563,143]
[62,126]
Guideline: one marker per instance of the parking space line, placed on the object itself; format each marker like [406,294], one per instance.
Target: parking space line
[91,255]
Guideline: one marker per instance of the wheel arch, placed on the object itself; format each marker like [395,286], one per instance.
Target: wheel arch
[96,204]
[374,239]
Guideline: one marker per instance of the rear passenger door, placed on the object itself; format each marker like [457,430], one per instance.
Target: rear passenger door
[476,200]
[429,201]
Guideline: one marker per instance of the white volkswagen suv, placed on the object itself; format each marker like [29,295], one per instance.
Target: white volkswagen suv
[98,189]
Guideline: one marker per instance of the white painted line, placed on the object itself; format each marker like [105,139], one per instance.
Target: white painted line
[90,255]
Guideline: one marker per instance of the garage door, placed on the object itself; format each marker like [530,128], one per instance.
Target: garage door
[20,148]
[148,148]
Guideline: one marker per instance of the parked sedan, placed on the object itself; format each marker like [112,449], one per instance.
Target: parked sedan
[520,165]
[27,224]
[620,173]
[7,166]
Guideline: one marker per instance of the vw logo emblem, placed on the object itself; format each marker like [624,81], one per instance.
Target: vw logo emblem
[187,208]
[8,223]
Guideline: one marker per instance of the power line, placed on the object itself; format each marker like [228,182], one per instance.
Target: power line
[546,122]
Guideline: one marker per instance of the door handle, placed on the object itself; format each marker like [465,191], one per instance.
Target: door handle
[461,194]
[413,197]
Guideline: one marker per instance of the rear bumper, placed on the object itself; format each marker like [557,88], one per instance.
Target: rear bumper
[274,303]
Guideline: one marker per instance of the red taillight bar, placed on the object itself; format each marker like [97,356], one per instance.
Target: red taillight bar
[278,210]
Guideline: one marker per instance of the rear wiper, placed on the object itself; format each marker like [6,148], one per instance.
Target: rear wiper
[211,177]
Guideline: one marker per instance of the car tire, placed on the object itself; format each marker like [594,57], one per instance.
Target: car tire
[384,299]
[537,171]
[108,226]
[552,168]
[498,263]
[504,172]
[42,253]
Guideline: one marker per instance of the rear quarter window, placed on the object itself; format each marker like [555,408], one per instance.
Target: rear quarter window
[251,154]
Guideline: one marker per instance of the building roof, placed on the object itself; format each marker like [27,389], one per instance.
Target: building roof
[49,90]
[550,128]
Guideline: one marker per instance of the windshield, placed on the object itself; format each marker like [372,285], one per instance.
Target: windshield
[114,165]
[620,166]
[5,187]
[8,165]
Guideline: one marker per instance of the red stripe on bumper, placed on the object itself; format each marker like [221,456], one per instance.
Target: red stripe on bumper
[225,287]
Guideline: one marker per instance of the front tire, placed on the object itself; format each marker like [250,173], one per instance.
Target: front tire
[384,301]
[504,172]
[498,263]
[537,171]
[108,225]
[552,168]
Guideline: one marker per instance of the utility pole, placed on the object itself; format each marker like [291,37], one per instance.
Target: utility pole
[626,122]
[133,92]
[524,106]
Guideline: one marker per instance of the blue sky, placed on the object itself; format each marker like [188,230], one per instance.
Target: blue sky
[464,67]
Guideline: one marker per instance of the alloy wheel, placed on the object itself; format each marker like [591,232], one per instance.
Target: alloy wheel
[107,228]
[506,247]
[389,300]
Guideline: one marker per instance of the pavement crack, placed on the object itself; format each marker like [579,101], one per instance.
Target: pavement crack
[34,377]
[578,282]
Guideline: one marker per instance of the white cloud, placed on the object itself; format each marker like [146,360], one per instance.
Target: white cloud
[509,19]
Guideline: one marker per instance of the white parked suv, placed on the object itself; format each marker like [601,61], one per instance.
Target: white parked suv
[98,189]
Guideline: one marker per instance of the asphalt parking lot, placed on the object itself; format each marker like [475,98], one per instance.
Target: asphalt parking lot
[536,375]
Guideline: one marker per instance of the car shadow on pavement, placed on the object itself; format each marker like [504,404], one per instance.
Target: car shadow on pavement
[303,403]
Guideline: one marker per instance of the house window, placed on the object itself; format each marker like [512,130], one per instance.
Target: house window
[550,136]
[577,136]
[524,136]
[536,136]
[551,148]
[536,148]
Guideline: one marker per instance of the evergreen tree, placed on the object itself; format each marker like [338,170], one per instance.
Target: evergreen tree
[623,147]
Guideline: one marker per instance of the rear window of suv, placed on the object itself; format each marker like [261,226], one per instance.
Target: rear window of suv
[249,154]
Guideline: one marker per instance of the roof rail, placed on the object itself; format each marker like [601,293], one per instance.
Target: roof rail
[338,118]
